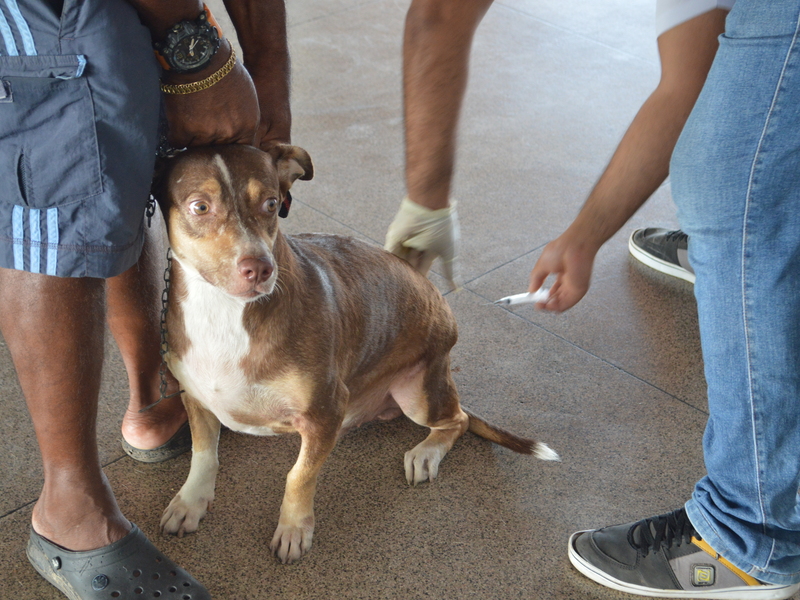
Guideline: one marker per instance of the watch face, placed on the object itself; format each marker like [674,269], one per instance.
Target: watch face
[193,52]
[189,45]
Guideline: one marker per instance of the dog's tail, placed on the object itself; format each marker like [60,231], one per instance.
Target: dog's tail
[514,442]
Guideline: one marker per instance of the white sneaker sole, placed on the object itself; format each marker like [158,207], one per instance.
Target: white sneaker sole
[763,592]
[659,265]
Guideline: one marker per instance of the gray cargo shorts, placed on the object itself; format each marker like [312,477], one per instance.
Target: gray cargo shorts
[79,108]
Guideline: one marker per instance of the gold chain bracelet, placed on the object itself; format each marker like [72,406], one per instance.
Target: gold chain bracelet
[203,84]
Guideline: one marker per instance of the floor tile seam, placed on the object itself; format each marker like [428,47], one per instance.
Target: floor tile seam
[501,265]
[332,14]
[649,384]
[13,511]
[335,220]
[577,34]
[32,502]
[370,238]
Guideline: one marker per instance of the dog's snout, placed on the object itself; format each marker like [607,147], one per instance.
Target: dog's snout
[256,270]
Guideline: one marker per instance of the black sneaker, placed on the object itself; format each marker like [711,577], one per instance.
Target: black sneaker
[664,557]
[662,250]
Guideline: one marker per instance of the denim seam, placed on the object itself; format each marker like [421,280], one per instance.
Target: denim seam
[750,185]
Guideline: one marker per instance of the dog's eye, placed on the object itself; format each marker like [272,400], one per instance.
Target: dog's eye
[199,207]
[270,205]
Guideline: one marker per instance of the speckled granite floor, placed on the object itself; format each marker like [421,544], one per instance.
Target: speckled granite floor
[615,385]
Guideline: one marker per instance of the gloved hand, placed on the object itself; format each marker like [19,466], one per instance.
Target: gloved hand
[418,235]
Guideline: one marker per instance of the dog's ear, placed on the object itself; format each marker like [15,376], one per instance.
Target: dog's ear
[292,162]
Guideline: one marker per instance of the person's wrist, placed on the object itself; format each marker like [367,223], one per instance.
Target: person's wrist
[217,62]
[431,202]
[586,234]
[580,241]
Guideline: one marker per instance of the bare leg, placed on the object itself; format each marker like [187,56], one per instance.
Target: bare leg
[134,313]
[436,47]
[54,329]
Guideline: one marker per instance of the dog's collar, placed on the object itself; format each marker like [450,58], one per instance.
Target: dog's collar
[285,205]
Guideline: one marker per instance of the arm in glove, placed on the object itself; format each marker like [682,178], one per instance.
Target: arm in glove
[419,235]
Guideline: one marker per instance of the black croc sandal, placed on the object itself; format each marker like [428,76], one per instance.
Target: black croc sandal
[176,445]
[128,569]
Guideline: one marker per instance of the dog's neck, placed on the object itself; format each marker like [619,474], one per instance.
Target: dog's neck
[288,269]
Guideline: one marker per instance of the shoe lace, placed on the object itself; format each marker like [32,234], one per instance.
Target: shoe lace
[676,236]
[665,530]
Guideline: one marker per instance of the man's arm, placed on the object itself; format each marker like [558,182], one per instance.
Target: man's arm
[261,28]
[639,165]
[197,118]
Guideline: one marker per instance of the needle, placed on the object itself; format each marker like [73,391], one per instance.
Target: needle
[540,295]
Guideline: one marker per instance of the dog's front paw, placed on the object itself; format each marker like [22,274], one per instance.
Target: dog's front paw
[422,463]
[183,516]
[292,541]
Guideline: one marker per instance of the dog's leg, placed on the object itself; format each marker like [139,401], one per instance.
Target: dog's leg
[195,498]
[427,395]
[295,529]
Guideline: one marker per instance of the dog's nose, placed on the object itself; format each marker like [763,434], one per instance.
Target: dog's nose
[257,270]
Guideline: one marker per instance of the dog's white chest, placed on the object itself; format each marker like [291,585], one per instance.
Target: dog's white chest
[211,370]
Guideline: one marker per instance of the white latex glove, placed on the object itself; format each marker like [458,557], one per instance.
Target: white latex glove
[419,235]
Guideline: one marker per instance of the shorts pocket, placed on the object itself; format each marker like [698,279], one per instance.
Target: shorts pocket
[48,139]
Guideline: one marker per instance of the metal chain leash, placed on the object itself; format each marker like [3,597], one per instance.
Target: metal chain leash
[164,347]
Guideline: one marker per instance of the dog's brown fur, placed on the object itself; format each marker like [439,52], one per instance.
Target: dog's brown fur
[313,334]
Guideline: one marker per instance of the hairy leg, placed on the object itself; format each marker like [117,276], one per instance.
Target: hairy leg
[436,47]
[134,314]
[54,329]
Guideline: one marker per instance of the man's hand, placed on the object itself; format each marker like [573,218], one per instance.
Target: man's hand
[571,262]
[225,113]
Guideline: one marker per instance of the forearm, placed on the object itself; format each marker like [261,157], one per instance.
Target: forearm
[160,15]
[436,47]
[638,167]
[261,29]
[641,162]
[195,117]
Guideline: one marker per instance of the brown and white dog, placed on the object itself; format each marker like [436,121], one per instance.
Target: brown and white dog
[308,334]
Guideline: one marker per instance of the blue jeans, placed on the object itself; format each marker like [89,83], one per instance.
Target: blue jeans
[736,181]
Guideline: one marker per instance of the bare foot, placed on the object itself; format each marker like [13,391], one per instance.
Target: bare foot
[79,512]
[154,427]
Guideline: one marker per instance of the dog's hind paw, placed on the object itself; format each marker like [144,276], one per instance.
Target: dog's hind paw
[182,517]
[291,542]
